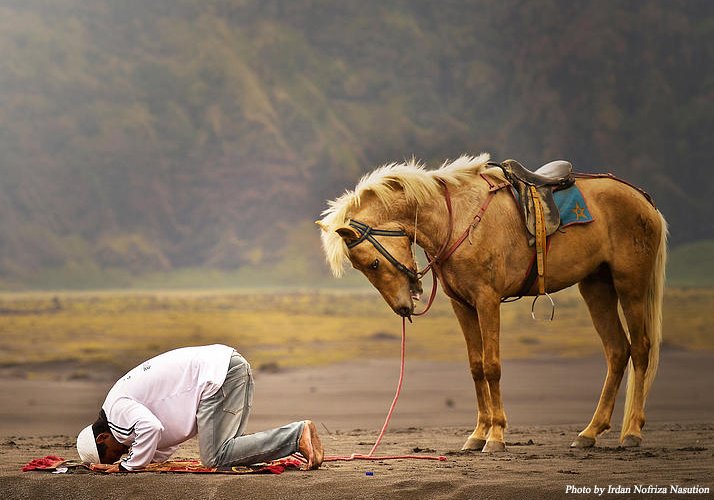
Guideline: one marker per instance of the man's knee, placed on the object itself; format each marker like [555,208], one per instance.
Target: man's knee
[209,459]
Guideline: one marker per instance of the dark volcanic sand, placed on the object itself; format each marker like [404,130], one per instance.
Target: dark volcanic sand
[548,402]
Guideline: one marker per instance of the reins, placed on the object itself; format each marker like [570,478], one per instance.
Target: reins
[493,189]
[447,251]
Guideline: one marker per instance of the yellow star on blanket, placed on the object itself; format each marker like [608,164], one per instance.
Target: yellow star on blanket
[579,212]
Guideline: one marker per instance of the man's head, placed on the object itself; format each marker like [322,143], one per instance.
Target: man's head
[96,443]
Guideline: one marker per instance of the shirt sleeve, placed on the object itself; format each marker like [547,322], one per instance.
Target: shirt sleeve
[163,455]
[146,429]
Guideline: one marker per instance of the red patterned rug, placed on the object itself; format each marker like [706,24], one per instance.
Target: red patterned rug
[59,465]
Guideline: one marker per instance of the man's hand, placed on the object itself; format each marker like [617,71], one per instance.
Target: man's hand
[113,468]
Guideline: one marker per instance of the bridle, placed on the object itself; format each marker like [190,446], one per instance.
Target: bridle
[368,233]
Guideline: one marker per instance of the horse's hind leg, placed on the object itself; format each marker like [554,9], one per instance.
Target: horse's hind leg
[639,282]
[633,306]
[468,319]
[601,298]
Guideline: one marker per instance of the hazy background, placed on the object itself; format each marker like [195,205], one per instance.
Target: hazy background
[193,143]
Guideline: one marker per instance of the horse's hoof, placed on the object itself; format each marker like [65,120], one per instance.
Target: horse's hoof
[583,442]
[631,441]
[494,447]
[474,444]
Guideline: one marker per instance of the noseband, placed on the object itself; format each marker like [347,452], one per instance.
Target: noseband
[368,233]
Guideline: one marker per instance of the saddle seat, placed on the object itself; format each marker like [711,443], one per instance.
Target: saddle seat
[558,173]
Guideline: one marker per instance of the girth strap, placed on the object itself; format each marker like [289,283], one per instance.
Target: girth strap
[540,239]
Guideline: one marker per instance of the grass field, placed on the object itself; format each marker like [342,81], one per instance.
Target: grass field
[278,329]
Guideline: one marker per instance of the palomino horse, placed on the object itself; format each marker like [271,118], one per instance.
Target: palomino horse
[617,258]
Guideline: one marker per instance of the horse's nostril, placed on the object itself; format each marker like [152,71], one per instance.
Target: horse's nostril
[404,311]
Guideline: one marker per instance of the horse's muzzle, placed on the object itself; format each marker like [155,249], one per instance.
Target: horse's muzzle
[404,311]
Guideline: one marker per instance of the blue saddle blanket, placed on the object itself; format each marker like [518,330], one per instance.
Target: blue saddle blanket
[572,207]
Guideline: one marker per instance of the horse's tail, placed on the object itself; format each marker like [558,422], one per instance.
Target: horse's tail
[653,326]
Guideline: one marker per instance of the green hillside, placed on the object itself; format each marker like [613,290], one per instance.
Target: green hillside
[141,139]
[692,265]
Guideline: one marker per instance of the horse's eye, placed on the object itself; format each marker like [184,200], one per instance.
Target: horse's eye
[375,264]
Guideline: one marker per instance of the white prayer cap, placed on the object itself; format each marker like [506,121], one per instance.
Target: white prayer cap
[87,446]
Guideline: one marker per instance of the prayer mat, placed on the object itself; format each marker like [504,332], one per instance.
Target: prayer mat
[58,465]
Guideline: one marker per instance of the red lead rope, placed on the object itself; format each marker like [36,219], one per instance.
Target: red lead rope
[370,455]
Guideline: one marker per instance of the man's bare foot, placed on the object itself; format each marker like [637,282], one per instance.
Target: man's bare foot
[310,446]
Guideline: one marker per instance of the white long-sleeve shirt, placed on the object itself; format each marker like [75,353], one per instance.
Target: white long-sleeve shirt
[153,407]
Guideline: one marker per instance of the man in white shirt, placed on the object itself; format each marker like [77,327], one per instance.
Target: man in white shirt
[206,390]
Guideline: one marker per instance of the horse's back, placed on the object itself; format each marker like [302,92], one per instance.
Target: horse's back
[614,200]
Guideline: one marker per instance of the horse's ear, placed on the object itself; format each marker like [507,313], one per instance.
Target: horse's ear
[322,225]
[348,233]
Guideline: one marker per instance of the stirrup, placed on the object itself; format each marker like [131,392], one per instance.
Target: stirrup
[552,306]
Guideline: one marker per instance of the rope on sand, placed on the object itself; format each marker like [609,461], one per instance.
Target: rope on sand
[370,455]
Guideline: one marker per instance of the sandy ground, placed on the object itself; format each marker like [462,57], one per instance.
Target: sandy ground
[548,401]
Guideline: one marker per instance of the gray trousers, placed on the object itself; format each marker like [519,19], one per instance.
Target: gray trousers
[222,418]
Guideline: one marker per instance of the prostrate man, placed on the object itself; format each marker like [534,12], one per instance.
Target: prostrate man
[168,399]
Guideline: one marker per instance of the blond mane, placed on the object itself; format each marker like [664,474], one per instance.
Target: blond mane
[417,183]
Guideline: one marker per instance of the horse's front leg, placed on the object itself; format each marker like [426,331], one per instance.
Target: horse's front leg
[468,320]
[488,306]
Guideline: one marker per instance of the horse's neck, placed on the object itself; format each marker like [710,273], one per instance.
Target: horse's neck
[433,220]
[430,231]
[428,222]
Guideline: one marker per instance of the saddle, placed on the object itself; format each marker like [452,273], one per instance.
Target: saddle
[539,186]
[535,195]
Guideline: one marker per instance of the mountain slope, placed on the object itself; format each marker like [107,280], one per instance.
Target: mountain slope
[154,136]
